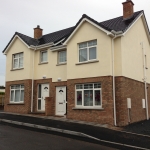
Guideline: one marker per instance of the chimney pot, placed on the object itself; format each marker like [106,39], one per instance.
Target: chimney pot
[128,9]
[38,32]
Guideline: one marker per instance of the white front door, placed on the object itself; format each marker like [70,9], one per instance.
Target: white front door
[61,100]
[43,91]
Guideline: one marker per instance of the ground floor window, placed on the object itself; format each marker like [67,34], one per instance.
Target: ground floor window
[88,95]
[17,94]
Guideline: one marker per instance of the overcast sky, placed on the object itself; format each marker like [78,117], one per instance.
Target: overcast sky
[52,15]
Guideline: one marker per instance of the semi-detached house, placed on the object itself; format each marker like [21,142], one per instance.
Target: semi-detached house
[94,71]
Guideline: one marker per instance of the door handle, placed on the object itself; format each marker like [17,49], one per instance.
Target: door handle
[64,101]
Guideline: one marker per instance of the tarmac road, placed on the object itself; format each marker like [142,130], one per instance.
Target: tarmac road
[12,138]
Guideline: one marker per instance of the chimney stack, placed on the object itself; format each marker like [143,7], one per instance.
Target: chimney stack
[128,9]
[37,32]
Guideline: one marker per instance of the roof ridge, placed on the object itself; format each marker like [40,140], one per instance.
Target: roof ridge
[56,31]
[119,17]
[24,35]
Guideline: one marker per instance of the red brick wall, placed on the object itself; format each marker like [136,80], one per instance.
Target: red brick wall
[99,116]
[18,108]
[129,88]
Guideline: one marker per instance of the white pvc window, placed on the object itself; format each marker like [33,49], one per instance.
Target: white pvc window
[18,61]
[88,51]
[43,56]
[17,94]
[62,57]
[88,95]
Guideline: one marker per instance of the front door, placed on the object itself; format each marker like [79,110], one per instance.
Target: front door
[61,100]
[43,91]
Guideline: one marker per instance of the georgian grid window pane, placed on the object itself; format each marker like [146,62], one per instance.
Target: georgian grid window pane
[20,54]
[44,56]
[79,86]
[62,56]
[16,56]
[92,53]
[88,86]
[83,45]
[83,55]
[97,85]
[92,43]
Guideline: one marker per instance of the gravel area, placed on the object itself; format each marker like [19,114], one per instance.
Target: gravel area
[142,127]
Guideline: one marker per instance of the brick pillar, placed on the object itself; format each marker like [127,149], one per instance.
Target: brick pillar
[48,106]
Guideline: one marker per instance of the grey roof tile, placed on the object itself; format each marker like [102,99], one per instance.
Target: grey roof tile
[116,24]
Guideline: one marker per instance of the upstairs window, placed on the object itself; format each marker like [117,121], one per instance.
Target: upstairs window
[18,61]
[17,94]
[43,56]
[62,57]
[88,51]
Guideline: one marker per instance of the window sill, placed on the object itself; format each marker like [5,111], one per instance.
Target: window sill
[16,69]
[94,108]
[42,63]
[15,104]
[61,64]
[87,62]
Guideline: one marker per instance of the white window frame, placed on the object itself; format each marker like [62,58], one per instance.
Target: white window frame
[94,89]
[43,51]
[20,89]
[88,47]
[59,56]
[18,60]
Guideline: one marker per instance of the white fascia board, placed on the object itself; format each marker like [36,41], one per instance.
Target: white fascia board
[58,48]
[16,36]
[85,19]
[59,41]
[42,46]
[146,27]
[132,24]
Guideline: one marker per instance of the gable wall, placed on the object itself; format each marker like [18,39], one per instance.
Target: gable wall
[88,32]
[132,56]
[22,74]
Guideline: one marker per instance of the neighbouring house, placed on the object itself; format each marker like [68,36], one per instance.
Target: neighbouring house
[94,71]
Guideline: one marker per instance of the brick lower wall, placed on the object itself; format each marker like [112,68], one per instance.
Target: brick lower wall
[104,116]
[125,88]
[18,108]
[129,88]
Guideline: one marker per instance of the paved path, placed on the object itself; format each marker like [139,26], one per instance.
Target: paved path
[97,132]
